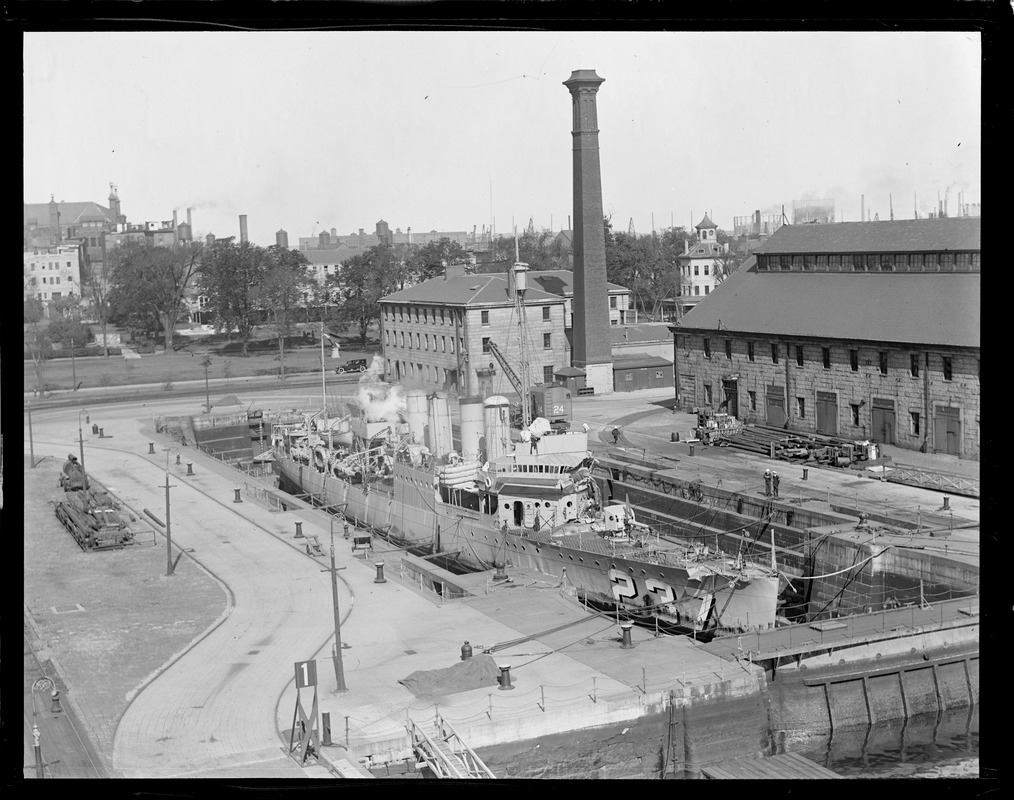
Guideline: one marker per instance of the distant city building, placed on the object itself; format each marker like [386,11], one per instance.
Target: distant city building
[360,241]
[862,330]
[700,265]
[52,273]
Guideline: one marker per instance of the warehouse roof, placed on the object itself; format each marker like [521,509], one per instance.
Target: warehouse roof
[935,308]
[901,236]
[639,361]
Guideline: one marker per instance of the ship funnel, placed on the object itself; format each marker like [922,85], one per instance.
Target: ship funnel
[472,444]
[415,414]
[439,439]
[496,424]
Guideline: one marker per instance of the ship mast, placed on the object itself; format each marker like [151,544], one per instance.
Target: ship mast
[520,286]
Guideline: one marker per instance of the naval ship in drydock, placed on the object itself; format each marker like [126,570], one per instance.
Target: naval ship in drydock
[515,495]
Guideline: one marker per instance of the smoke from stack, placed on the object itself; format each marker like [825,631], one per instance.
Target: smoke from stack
[380,401]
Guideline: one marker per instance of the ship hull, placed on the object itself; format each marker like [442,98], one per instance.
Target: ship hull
[408,507]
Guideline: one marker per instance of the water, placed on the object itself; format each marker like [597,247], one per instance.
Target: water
[928,745]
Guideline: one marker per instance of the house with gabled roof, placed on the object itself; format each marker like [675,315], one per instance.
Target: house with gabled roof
[862,330]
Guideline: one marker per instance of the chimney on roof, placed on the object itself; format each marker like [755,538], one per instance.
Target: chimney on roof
[454,269]
[189,223]
[242,229]
[176,225]
[862,208]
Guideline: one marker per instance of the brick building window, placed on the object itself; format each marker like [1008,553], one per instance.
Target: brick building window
[854,360]
[913,364]
[947,369]
[915,422]
[774,353]
[545,313]
[799,355]
[485,344]
[801,407]
[485,317]
[728,348]
[707,289]
[883,362]
[612,301]
[547,374]
[855,413]
[826,355]
[707,394]
[547,341]
[753,400]
[707,348]
[697,270]
[705,268]
[750,351]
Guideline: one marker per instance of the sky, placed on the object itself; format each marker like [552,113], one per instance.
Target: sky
[455,130]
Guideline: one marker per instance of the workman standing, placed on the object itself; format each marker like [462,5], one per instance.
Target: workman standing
[616,434]
[767,483]
[774,483]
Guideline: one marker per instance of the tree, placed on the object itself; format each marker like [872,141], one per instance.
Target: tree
[430,260]
[149,285]
[538,249]
[65,325]
[286,278]
[95,289]
[37,341]
[231,277]
[359,285]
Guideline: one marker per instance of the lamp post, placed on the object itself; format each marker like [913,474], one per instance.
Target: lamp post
[207,392]
[339,670]
[168,522]
[675,373]
[80,439]
[31,441]
[73,367]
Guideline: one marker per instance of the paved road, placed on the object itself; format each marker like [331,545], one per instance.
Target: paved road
[217,705]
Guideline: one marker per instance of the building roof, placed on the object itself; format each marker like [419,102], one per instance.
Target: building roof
[330,255]
[488,289]
[707,249]
[638,361]
[934,308]
[561,282]
[70,213]
[705,223]
[642,332]
[906,236]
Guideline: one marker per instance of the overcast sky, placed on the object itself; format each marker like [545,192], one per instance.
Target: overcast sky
[451,130]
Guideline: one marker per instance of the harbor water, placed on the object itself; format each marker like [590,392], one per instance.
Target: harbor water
[942,745]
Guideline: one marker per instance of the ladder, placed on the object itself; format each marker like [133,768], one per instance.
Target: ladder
[444,752]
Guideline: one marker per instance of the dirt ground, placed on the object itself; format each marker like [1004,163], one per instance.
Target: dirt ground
[90,614]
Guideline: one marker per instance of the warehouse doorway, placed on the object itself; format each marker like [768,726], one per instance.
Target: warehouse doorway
[827,413]
[884,422]
[775,406]
[947,430]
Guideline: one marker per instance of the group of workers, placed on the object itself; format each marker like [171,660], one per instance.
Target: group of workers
[771,481]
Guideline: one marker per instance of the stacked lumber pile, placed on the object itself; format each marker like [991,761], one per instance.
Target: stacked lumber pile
[801,447]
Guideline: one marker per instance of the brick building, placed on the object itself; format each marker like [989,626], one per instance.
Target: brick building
[864,330]
[53,272]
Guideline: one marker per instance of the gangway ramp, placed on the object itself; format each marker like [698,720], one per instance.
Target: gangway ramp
[445,753]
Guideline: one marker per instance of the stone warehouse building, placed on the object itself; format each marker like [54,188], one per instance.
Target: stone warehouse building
[864,330]
[436,333]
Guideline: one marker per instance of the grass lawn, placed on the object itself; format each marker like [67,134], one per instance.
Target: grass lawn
[301,356]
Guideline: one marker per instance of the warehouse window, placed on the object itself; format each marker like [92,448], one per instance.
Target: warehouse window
[485,344]
[883,362]
[547,341]
[728,348]
[854,360]
[801,407]
[799,355]
[547,374]
[855,413]
[915,422]
[750,351]
[485,317]
[826,354]
[914,365]
[707,394]
[545,313]
[774,353]
[753,400]
[947,369]
[707,348]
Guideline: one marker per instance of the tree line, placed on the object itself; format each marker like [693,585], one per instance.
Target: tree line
[148,289]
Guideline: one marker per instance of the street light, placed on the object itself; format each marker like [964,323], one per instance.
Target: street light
[168,523]
[339,670]
[31,441]
[675,373]
[207,393]
[80,439]
[73,365]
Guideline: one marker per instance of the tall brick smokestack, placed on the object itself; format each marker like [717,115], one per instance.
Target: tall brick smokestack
[592,351]
[242,228]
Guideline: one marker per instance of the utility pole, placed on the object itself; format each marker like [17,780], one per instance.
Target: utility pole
[168,523]
[73,367]
[207,392]
[31,441]
[80,439]
[339,670]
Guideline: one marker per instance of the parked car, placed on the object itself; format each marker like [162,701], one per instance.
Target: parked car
[352,365]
